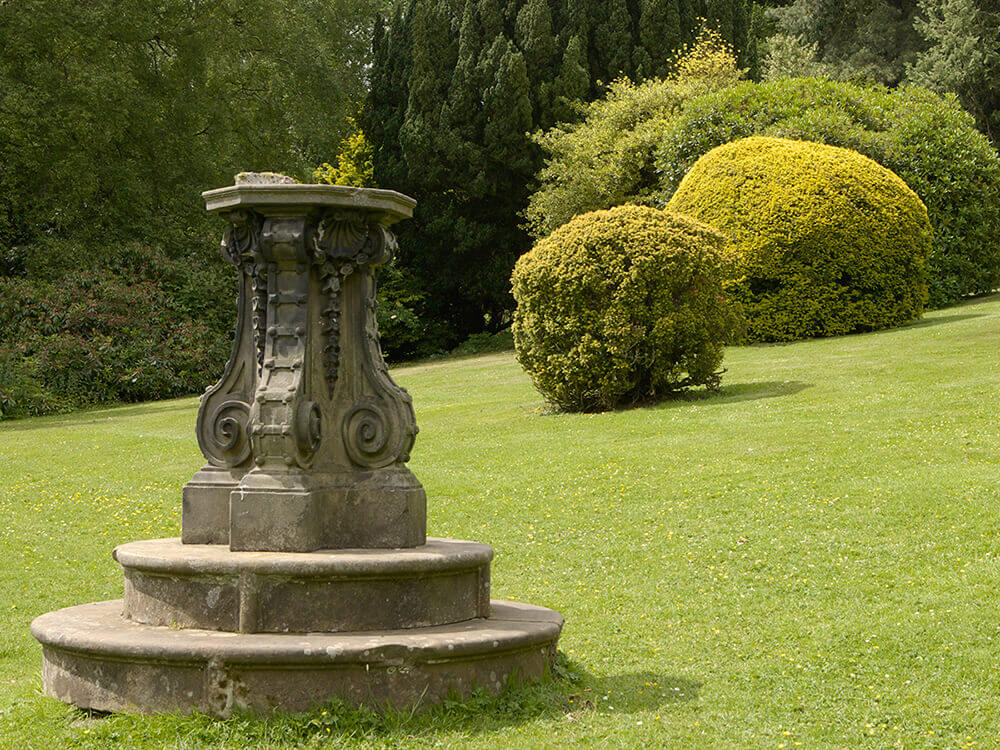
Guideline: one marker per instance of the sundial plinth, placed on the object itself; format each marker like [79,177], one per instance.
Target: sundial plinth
[306,434]
[303,571]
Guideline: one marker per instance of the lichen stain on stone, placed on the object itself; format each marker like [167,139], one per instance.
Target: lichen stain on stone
[212,598]
[264,178]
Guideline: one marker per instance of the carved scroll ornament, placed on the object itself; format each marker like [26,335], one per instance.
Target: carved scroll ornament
[266,408]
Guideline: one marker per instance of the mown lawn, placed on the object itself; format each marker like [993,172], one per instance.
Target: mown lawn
[807,559]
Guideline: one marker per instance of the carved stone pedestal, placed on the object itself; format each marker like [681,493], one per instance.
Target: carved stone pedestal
[303,571]
[306,434]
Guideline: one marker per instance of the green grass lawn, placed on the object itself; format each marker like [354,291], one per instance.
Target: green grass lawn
[807,559]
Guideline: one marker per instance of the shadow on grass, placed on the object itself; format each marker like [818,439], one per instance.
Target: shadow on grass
[97,415]
[570,695]
[734,393]
[938,320]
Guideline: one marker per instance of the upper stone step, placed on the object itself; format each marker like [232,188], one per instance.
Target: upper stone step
[208,586]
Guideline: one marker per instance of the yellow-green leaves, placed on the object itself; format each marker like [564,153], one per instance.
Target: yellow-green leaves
[621,306]
[354,162]
[826,241]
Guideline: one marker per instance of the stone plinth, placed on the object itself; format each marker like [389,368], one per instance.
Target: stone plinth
[209,587]
[303,571]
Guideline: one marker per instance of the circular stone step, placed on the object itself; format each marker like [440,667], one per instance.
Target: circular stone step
[96,659]
[207,586]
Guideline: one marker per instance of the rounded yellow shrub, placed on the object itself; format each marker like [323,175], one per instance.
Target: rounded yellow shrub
[825,241]
[621,306]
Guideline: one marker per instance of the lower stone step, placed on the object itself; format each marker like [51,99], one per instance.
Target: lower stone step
[95,658]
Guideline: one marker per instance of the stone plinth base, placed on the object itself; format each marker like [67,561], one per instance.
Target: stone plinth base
[210,587]
[294,512]
[95,658]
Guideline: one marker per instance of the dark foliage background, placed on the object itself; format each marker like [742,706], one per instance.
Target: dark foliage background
[114,116]
[456,88]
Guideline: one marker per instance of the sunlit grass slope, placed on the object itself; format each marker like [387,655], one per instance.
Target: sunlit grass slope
[806,559]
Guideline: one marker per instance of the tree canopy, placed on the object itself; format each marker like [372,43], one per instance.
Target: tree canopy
[456,89]
[114,116]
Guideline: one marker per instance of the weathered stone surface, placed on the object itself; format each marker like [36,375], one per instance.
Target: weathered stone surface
[382,508]
[205,505]
[391,205]
[305,409]
[96,659]
[210,587]
[264,178]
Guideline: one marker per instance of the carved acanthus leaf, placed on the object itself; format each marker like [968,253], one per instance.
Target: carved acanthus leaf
[241,240]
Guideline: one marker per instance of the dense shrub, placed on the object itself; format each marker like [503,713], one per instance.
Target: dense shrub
[140,325]
[621,306]
[151,327]
[404,328]
[924,138]
[825,240]
[608,158]
[486,343]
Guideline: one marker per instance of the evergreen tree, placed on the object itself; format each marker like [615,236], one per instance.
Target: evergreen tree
[463,112]
[963,56]
[456,87]
[613,42]
[873,39]
[434,56]
[491,14]
[388,96]
[755,38]
[572,83]
[507,109]
[720,16]
[535,39]
[538,45]
[689,13]
[660,34]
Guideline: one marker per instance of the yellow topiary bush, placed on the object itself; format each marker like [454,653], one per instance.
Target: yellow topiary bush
[621,306]
[825,241]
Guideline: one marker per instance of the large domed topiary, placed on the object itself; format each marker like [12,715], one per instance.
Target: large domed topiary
[927,139]
[621,306]
[825,240]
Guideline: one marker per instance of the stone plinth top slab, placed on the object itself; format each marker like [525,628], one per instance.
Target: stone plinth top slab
[435,557]
[388,204]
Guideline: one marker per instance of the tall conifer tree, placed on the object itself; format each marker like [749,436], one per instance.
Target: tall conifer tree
[456,87]
[660,34]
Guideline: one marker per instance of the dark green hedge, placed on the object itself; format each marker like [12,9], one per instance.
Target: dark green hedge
[135,327]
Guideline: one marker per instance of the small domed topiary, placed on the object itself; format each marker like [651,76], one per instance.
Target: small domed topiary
[621,306]
[825,240]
